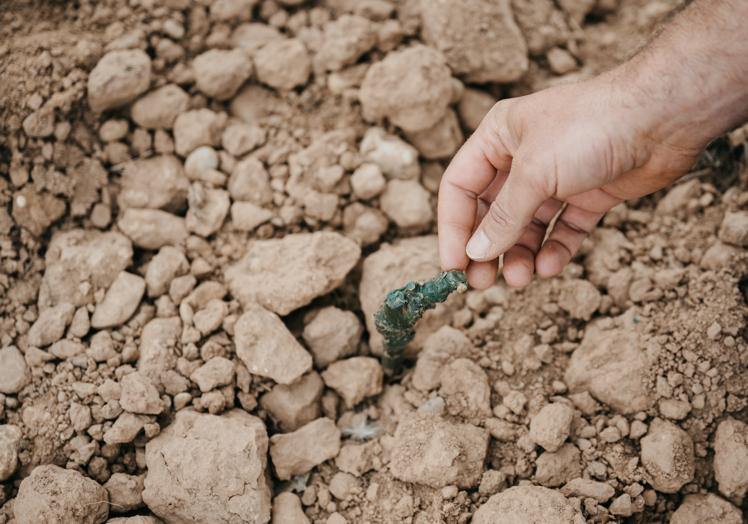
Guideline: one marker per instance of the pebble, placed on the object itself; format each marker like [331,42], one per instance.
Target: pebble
[160,108]
[667,454]
[219,73]
[14,373]
[298,452]
[332,334]
[139,396]
[50,325]
[119,77]
[296,404]
[120,302]
[218,371]
[354,379]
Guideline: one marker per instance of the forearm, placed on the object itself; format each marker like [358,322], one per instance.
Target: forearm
[692,80]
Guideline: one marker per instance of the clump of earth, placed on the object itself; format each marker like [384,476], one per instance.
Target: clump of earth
[202,205]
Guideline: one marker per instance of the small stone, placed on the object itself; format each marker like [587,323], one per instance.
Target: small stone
[220,73]
[436,453]
[706,509]
[195,128]
[125,492]
[344,40]
[560,61]
[230,453]
[246,216]
[287,509]
[10,439]
[125,428]
[268,276]
[139,395]
[267,348]
[155,183]
[731,458]
[441,140]
[394,157]
[734,228]
[217,371]
[667,455]
[354,379]
[298,452]
[407,203]
[342,484]
[152,228]
[622,506]
[492,482]
[364,224]
[473,106]
[551,426]
[120,302]
[579,487]
[207,211]
[50,325]
[357,459]
[294,405]
[283,64]
[160,108]
[554,469]
[250,182]
[579,298]
[367,181]
[239,138]
[445,344]
[168,263]
[674,409]
[332,334]
[527,505]
[14,373]
[118,78]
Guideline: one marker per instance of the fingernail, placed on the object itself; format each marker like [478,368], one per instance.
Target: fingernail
[479,246]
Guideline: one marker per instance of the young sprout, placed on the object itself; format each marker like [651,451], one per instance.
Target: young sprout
[396,318]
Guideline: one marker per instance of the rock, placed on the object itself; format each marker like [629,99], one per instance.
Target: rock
[613,367]
[267,348]
[528,505]
[731,458]
[342,484]
[168,263]
[231,10]
[34,210]
[119,77]
[494,52]
[622,506]
[10,440]
[554,469]
[251,37]
[63,349]
[441,140]
[464,386]
[125,428]
[217,371]
[354,379]
[195,128]
[120,302]
[600,491]
[287,509]
[50,325]
[294,405]
[344,40]
[54,495]
[207,211]
[246,216]
[139,395]
[412,88]
[734,228]
[677,198]
[211,317]
[367,181]
[160,108]
[357,459]
[332,334]
[551,426]
[79,262]
[239,138]
[125,492]
[40,124]
[158,342]
[393,266]
[394,157]
[579,298]
[364,224]
[473,106]
[219,73]
[719,256]
[439,348]
[283,64]
[14,374]
[667,456]
[250,182]
[407,204]
[674,409]
[298,452]
[268,276]
[154,183]
[432,451]
[134,520]
[229,453]
[705,508]
[152,228]
[561,61]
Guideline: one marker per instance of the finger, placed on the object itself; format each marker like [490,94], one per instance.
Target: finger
[482,275]
[519,260]
[471,171]
[523,193]
[572,227]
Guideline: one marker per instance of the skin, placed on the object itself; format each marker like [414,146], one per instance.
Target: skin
[573,152]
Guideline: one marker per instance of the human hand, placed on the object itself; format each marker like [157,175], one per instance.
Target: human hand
[586,146]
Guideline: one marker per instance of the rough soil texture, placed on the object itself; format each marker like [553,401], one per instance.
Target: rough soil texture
[202,204]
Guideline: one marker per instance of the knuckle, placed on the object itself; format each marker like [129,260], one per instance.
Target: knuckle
[500,217]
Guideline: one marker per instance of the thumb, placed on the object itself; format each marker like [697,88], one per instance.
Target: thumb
[524,191]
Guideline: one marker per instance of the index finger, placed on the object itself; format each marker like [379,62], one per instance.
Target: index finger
[469,173]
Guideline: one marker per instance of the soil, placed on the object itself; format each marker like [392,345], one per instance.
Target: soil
[202,204]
